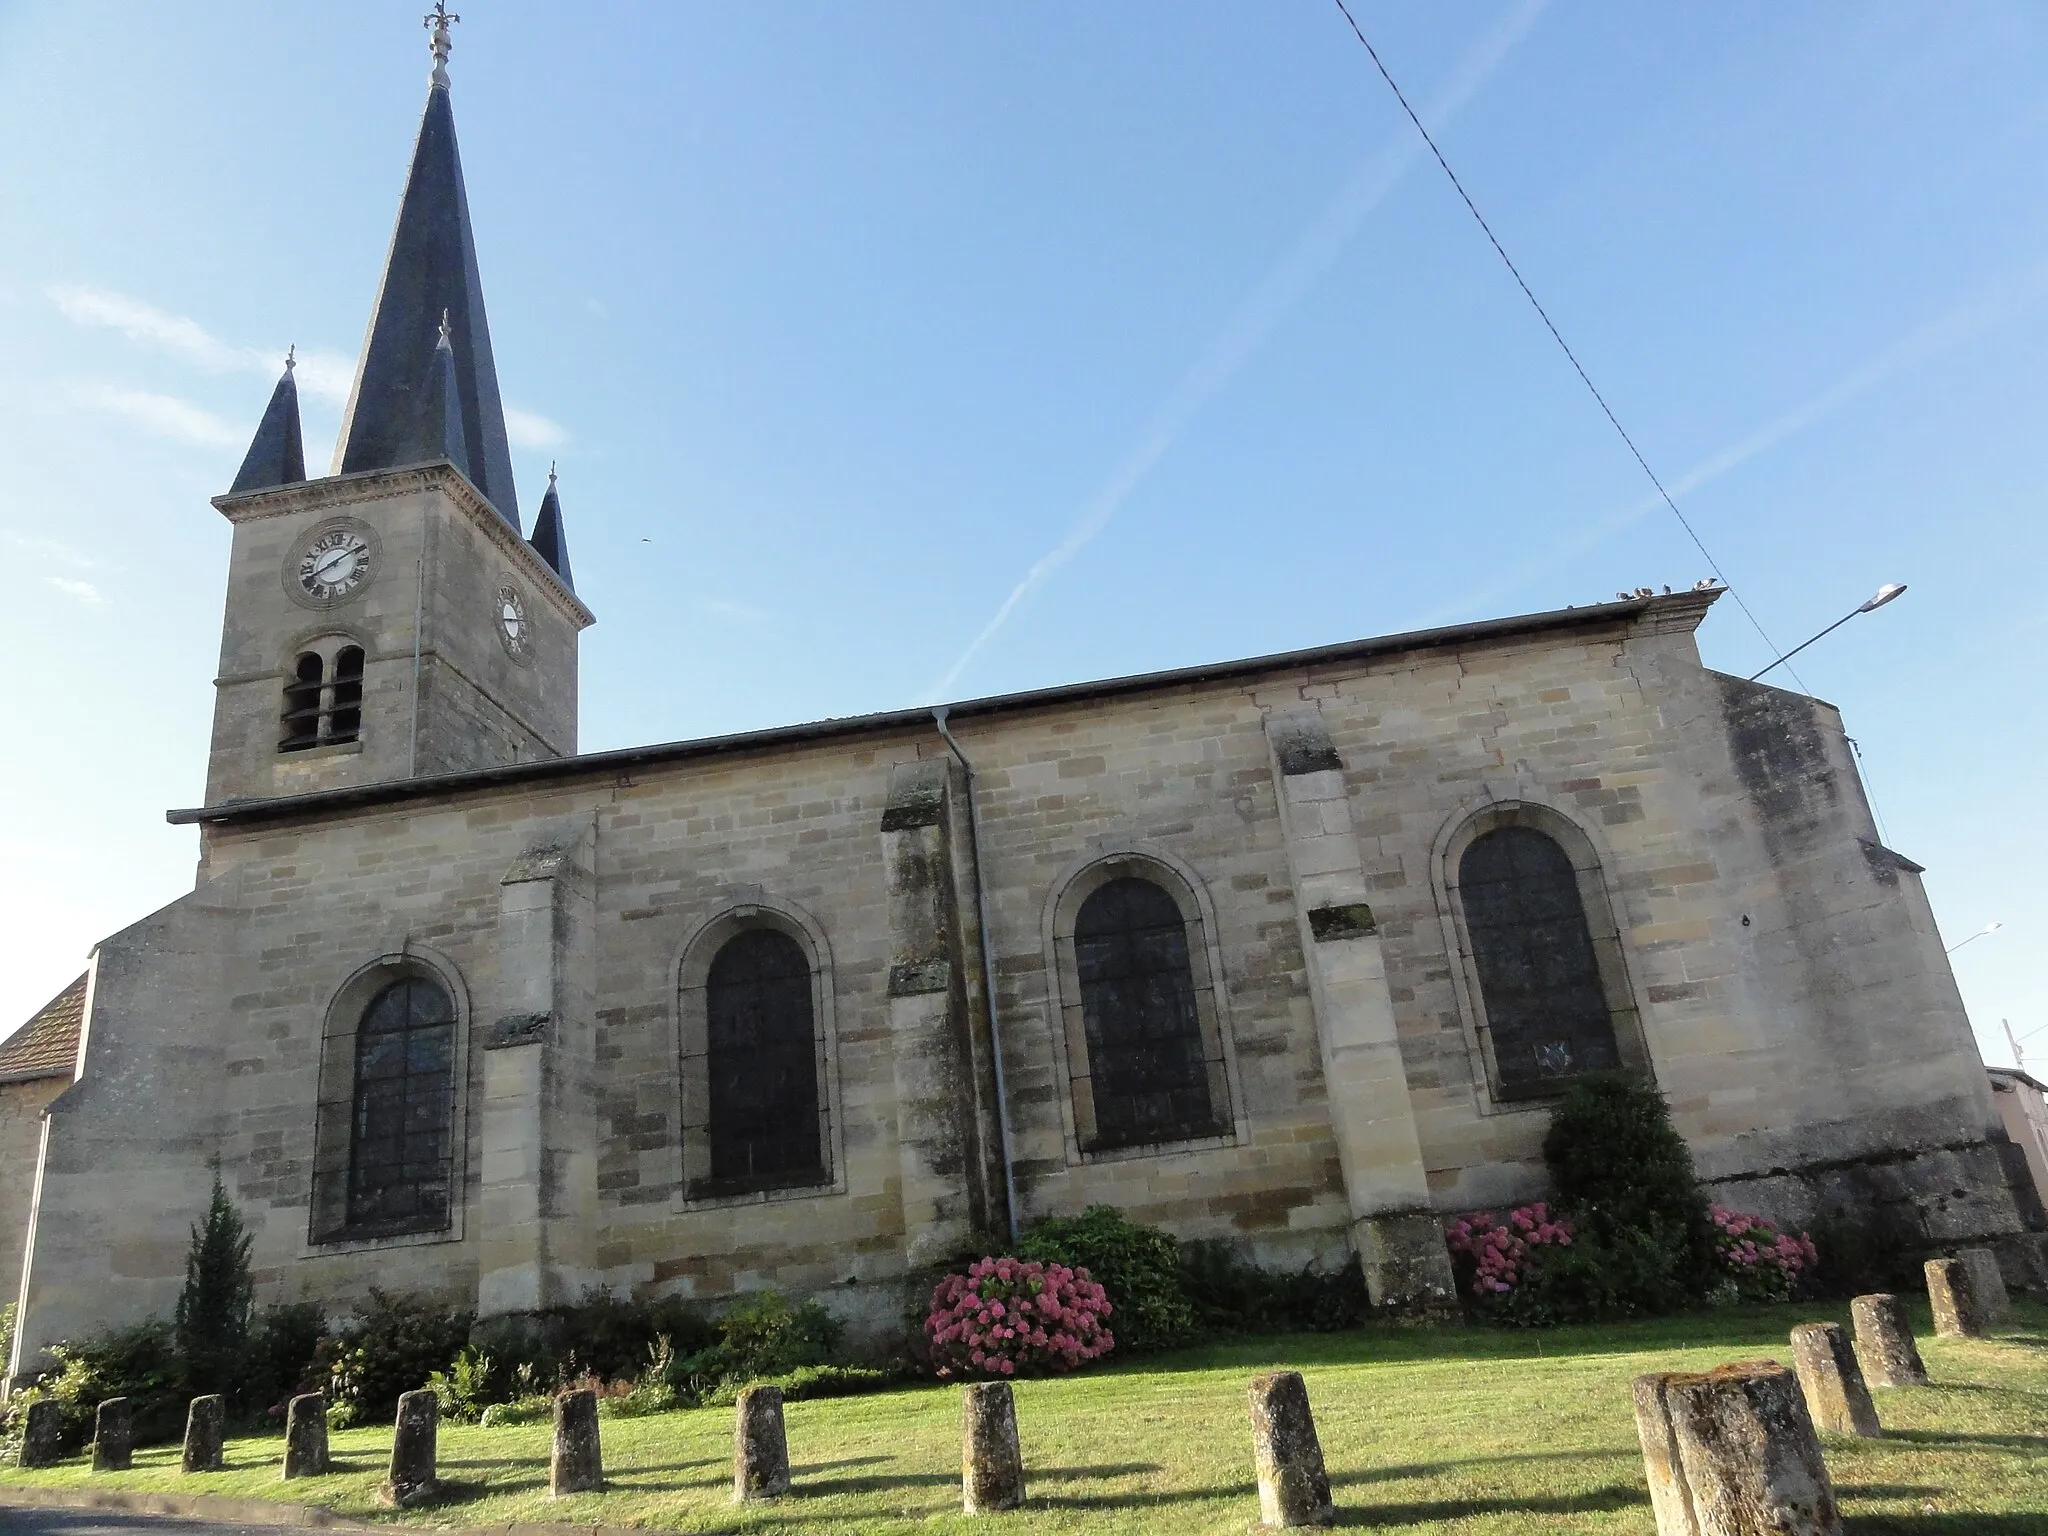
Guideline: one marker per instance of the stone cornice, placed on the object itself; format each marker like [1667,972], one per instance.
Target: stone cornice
[339,492]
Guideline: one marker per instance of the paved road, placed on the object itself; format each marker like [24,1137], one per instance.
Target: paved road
[93,1522]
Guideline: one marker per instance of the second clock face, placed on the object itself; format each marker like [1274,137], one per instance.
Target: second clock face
[513,626]
[335,564]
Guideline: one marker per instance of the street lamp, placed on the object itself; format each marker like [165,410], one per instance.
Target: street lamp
[1973,938]
[1878,599]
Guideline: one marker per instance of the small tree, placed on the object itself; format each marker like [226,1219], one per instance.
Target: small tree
[213,1310]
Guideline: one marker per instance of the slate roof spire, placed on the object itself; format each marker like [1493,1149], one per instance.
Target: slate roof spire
[277,454]
[440,415]
[549,541]
[431,270]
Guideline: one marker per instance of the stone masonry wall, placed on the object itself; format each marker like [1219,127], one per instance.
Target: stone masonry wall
[21,1140]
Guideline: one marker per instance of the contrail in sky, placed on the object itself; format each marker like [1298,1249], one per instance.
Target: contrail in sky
[1263,308]
[1958,324]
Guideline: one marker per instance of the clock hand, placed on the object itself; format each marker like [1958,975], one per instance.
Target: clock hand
[330,560]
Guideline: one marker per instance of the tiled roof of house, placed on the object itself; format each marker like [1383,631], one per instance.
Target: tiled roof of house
[47,1045]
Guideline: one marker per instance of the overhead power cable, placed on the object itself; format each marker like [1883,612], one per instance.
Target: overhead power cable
[1558,337]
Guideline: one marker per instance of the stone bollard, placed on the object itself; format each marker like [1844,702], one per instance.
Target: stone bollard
[305,1436]
[1988,1282]
[577,1463]
[1884,1342]
[205,1433]
[1836,1399]
[1294,1489]
[113,1436]
[414,1438]
[991,1464]
[760,1447]
[42,1435]
[1731,1452]
[1950,1291]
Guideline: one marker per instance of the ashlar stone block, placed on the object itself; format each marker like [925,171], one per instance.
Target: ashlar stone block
[1294,1487]
[1837,1400]
[1884,1342]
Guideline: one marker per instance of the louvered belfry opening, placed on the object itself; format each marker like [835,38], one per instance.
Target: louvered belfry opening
[401,1128]
[764,1128]
[1149,1078]
[1546,1007]
[302,697]
[345,719]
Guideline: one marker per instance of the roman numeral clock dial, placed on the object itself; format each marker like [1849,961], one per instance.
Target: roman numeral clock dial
[514,628]
[331,565]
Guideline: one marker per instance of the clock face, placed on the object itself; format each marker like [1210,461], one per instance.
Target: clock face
[334,565]
[513,626]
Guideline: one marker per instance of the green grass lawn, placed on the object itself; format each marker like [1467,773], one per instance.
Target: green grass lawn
[1466,1430]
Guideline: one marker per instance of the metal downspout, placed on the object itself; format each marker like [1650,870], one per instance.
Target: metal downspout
[988,971]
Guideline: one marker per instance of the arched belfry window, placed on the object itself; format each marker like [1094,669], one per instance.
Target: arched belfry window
[323,698]
[762,1059]
[1149,1071]
[1544,957]
[386,1154]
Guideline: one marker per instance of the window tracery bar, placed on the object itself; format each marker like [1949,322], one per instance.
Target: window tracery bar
[401,1126]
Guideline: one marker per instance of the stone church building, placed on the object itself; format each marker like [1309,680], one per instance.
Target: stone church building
[1293,951]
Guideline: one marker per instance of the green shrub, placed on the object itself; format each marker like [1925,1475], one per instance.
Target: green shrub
[1229,1294]
[284,1346]
[463,1391]
[599,1334]
[813,1381]
[392,1345]
[760,1337]
[212,1318]
[1138,1266]
[139,1363]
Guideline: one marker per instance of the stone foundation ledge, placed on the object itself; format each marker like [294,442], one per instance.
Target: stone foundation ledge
[262,1512]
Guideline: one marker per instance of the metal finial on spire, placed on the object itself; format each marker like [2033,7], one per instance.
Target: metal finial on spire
[551,471]
[440,44]
[447,336]
[291,357]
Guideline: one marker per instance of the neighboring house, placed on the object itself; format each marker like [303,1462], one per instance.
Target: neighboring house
[37,1062]
[1294,952]
[2025,1113]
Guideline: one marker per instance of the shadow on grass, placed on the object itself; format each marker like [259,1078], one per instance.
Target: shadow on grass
[1366,1475]
[1989,1442]
[1387,1516]
[881,1483]
[1963,1523]
[1110,1501]
[804,1469]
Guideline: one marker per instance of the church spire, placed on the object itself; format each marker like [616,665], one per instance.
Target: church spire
[440,414]
[549,541]
[277,454]
[431,270]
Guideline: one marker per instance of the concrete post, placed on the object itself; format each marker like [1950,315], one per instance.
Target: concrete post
[991,1462]
[305,1436]
[1951,1291]
[205,1433]
[1836,1399]
[42,1435]
[760,1448]
[576,1463]
[1395,1229]
[1294,1488]
[1748,1462]
[1988,1282]
[414,1441]
[113,1436]
[1884,1342]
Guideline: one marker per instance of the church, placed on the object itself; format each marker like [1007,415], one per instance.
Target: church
[1294,952]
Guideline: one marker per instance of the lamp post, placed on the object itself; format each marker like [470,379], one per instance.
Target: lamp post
[1878,599]
[1991,927]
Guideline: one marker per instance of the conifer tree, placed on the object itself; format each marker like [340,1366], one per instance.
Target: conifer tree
[213,1309]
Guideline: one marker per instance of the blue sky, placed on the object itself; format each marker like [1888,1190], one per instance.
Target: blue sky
[909,350]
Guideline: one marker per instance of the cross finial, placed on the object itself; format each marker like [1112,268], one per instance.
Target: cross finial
[291,357]
[446,333]
[440,44]
[551,473]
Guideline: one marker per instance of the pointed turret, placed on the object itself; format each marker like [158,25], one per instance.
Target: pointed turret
[431,269]
[440,409]
[277,455]
[549,541]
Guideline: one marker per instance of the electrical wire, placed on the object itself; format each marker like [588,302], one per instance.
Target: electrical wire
[1563,346]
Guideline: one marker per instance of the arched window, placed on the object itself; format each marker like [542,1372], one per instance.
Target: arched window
[402,1125]
[1148,1068]
[762,1065]
[323,703]
[1541,988]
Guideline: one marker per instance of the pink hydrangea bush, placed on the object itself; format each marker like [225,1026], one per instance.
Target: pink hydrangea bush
[1013,1317]
[1498,1253]
[1762,1263]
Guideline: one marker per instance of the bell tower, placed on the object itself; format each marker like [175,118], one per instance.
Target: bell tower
[389,621]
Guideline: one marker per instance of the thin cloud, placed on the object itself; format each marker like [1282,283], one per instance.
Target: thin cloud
[164,415]
[1960,323]
[326,375]
[78,591]
[1255,319]
[53,549]
[530,429]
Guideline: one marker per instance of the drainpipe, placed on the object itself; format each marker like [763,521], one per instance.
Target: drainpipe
[988,970]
